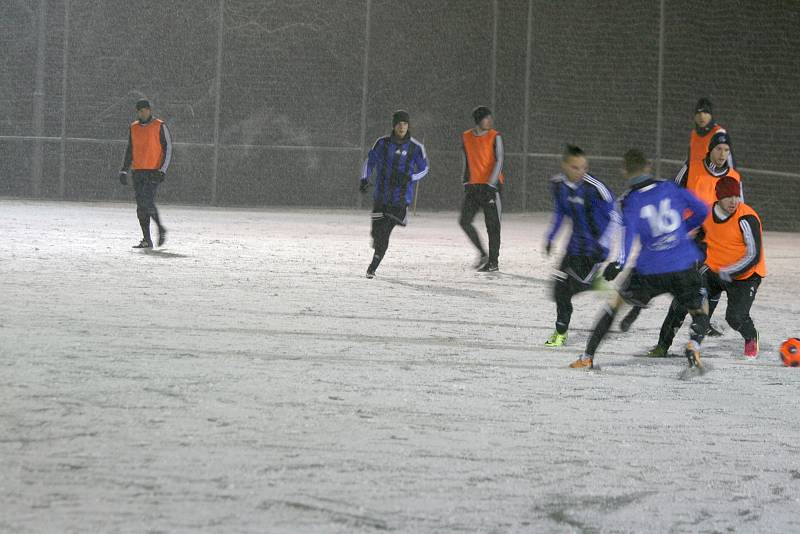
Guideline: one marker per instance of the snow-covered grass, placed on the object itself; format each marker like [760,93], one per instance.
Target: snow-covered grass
[248,378]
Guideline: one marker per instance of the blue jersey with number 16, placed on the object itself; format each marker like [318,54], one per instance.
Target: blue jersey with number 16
[654,210]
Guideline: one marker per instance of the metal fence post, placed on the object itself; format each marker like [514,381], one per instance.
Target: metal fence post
[38,101]
[217,99]
[62,157]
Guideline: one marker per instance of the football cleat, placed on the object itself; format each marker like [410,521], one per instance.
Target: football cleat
[751,348]
[693,355]
[657,352]
[482,261]
[489,267]
[556,340]
[584,362]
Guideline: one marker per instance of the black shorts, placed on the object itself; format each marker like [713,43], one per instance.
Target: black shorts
[686,286]
[581,269]
[394,214]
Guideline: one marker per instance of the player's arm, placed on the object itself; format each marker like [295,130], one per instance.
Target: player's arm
[166,147]
[630,229]
[465,170]
[499,155]
[421,165]
[126,163]
[751,233]
[613,230]
[683,174]
[731,162]
[558,215]
[370,161]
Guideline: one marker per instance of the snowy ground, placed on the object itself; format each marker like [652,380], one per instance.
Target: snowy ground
[248,378]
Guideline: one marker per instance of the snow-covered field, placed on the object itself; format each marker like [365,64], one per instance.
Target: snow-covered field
[248,378]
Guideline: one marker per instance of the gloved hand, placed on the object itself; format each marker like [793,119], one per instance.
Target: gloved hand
[123,177]
[363,186]
[612,270]
[548,247]
[158,176]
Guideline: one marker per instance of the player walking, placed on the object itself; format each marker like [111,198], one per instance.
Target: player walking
[653,211]
[399,161]
[483,180]
[587,201]
[149,154]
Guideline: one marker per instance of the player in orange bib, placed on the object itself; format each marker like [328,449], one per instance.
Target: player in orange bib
[702,179]
[735,258]
[149,154]
[483,179]
[705,127]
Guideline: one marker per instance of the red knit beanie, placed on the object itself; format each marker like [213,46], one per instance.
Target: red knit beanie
[728,187]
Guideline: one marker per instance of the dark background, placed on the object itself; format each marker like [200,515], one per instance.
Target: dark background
[305,87]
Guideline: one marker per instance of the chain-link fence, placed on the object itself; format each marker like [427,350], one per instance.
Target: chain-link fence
[276,102]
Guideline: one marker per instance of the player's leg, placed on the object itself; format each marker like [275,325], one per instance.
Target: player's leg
[150,189]
[575,275]
[492,213]
[630,317]
[636,290]
[142,213]
[741,294]
[563,289]
[380,238]
[601,328]
[690,291]
[713,301]
[673,321]
[469,209]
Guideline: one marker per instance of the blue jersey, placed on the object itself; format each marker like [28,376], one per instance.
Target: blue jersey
[654,211]
[590,205]
[398,165]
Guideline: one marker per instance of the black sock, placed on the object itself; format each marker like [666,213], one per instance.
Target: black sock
[376,260]
[601,328]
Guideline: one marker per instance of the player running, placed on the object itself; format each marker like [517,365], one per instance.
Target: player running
[399,162]
[587,201]
[653,210]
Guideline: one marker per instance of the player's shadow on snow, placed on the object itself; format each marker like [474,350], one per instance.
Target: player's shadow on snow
[162,253]
[523,277]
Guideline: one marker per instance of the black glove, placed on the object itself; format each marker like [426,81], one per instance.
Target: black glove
[612,270]
[548,247]
[123,177]
[158,176]
[363,186]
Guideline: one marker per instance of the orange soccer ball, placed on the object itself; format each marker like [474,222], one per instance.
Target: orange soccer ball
[790,352]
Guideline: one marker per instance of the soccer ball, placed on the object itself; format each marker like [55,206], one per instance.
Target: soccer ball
[790,352]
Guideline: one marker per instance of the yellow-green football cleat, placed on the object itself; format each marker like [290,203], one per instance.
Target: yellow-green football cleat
[556,340]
